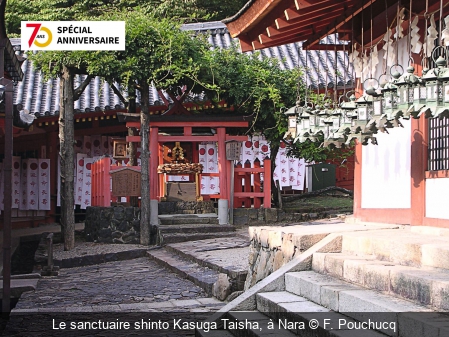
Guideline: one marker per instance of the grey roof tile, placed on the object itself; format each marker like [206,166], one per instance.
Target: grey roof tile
[42,97]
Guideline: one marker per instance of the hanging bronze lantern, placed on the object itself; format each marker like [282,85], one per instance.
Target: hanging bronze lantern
[434,88]
[406,87]
[389,92]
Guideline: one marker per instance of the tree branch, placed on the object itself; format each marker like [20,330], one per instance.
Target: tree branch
[119,94]
[78,91]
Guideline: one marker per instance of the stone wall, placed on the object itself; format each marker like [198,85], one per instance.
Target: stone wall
[117,224]
[273,247]
[263,216]
[186,207]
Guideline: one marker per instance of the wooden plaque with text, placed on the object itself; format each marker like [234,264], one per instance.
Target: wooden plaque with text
[126,182]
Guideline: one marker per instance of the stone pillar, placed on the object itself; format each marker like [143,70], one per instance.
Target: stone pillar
[223,216]
[154,220]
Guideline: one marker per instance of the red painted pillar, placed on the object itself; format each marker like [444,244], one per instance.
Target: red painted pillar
[247,187]
[357,180]
[257,200]
[418,170]
[267,183]
[222,166]
[154,154]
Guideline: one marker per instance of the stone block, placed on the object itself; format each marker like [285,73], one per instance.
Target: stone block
[222,287]
[334,265]
[330,295]
[253,213]
[288,250]
[278,261]
[268,302]
[318,262]
[240,220]
[412,284]
[261,270]
[397,251]
[440,294]
[435,255]
[353,269]
[357,244]
[271,215]
[304,242]
[274,239]
[263,238]
[377,276]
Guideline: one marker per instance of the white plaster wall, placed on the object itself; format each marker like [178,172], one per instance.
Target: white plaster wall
[436,202]
[386,181]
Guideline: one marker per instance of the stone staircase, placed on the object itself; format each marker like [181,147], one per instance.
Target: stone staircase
[203,261]
[175,228]
[397,280]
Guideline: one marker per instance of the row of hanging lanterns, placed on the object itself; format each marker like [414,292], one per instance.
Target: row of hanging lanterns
[380,108]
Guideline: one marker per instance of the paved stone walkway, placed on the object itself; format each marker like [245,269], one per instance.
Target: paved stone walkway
[133,285]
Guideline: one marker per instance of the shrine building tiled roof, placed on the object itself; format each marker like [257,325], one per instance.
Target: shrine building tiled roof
[41,97]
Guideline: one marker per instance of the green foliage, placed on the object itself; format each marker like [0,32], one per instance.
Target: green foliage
[256,87]
[315,151]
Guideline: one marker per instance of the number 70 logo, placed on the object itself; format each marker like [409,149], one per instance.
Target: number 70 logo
[36,35]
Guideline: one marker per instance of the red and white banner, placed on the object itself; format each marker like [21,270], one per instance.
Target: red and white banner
[212,164]
[44,184]
[247,152]
[86,193]
[79,166]
[202,158]
[300,175]
[15,182]
[33,184]
[23,185]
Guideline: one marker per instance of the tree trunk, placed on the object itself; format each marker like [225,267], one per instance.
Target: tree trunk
[145,169]
[66,141]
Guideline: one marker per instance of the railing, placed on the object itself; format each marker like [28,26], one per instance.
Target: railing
[245,191]
[246,194]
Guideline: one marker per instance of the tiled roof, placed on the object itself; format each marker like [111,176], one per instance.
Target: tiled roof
[42,97]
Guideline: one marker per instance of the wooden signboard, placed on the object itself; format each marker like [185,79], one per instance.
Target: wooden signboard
[233,150]
[126,182]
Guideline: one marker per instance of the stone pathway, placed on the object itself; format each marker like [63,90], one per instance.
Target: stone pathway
[132,285]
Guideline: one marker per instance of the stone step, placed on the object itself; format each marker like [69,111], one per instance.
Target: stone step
[424,286]
[195,228]
[400,246]
[19,286]
[187,219]
[298,315]
[164,239]
[362,304]
[201,276]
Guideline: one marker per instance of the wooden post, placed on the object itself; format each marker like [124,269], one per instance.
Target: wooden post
[231,197]
[238,186]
